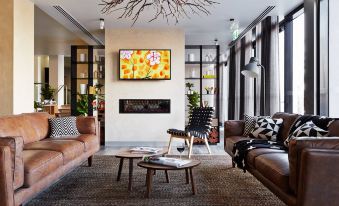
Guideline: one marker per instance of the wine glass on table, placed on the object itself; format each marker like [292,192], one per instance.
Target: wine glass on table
[181,148]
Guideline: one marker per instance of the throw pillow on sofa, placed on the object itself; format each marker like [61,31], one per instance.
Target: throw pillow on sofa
[63,126]
[311,125]
[266,128]
[250,123]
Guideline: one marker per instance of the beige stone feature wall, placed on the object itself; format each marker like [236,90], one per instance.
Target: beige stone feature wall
[16,56]
[144,127]
[6,56]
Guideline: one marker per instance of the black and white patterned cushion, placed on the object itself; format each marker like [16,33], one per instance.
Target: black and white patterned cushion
[266,128]
[63,126]
[250,123]
[309,129]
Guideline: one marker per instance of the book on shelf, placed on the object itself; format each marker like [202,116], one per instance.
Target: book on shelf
[145,150]
[168,161]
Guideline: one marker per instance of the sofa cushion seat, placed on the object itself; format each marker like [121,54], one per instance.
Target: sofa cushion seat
[230,141]
[260,151]
[274,167]
[91,141]
[70,149]
[40,163]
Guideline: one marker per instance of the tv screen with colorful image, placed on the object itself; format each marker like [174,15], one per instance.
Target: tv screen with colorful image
[145,64]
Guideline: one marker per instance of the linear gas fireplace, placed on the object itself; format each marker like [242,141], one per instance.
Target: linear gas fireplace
[145,106]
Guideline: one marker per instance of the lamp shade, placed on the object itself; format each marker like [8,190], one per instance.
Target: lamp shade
[251,69]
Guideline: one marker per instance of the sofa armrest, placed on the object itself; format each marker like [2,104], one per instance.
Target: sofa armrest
[297,146]
[319,177]
[6,177]
[234,128]
[88,125]
[15,145]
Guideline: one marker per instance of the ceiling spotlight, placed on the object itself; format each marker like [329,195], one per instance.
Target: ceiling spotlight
[216,42]
[102,23]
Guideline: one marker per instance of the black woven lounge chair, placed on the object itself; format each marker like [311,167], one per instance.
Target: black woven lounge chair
[199,126]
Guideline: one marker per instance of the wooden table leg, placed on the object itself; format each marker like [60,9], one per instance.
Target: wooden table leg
[149,182]
[120,168]
[167,178]
[187,177]
[130,174]
[194,191]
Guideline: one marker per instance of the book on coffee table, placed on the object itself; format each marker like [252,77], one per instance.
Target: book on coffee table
[168,161]
[145,150]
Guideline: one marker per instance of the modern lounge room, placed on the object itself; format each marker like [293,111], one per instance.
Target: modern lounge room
[169,102]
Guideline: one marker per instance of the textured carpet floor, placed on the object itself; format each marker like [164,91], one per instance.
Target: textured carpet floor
[217,184]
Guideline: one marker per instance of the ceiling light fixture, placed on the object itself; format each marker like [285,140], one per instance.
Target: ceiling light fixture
[234,27]
[167,9]
[102,24]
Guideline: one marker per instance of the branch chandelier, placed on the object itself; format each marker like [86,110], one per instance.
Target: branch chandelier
[167,9]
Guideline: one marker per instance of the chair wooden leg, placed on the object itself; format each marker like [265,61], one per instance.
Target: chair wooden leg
[187,142]
[169,145]
[190,147]
[207,145]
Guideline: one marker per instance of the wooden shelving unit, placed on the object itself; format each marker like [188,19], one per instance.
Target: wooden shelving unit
[200,67]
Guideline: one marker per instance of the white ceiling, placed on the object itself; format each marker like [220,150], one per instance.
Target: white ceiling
[52,38]
[198,29]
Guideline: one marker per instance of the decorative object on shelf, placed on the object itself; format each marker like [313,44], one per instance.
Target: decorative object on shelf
[144,64]
[191,57]
[169,9]
[209,90]
[209,57]
[205,104]
[193,73]
[82,105]
[82,57]
[193,101]
[47,92]
[82,75]
[145,106]
[189,86]
[83,88]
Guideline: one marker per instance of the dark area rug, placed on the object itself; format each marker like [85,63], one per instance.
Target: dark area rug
[216,181]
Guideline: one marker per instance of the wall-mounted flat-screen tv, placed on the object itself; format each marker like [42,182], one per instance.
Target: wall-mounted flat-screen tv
[145,64]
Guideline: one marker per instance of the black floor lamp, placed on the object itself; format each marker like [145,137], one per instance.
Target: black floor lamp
[251,70]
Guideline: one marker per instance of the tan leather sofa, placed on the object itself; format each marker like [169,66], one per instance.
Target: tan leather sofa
[30,161]
[308,174]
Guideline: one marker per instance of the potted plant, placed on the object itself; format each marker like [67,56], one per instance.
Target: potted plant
[82,104]
[189,85]
[193,101]
[47,92]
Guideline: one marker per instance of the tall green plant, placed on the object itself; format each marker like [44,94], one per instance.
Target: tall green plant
[193,101]
[47,92]
[82,104]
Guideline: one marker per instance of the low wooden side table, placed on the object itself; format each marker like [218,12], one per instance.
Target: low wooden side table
[151,168]
[127,154]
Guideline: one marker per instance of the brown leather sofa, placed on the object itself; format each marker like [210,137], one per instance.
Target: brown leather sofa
[308,174]
[30,161]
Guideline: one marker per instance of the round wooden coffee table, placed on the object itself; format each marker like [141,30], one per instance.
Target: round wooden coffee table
[151,168]
[127,154]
